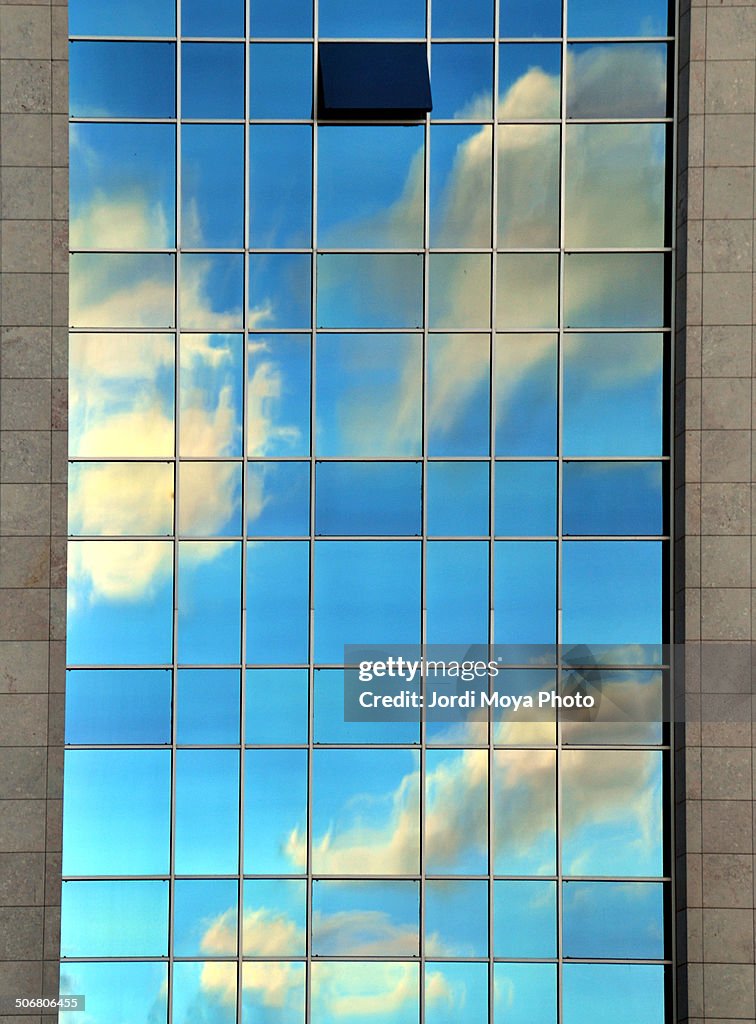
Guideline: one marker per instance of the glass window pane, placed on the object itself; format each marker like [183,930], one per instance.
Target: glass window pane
[363,19]
[627,992]
[630,710]
[451,20]
[120,499]
[368,395]
[123,798]
[617,80]
[122,79]
[526,394]
[459,290]
[205,916]
[612,394]
[122,290]
[118,992]
[457,600]
[277,705]
[527,290]
[525,503]
[280,80]
[462,81]
[205,990]
[524,812]
[368,498]
[207,812]
[275,913]
[278,395]
[606,161]
[207,706]
[275,812]
[393,989]
[379,290]
[366,812]
[138,18]
[118,706]
[329,721]
[456,918]
[456,498]
[525,994]
[121,389]
[280,181]
[612,812]
[209,499]
[289,20]
[212,185]
[614,919]
[211,295]
[615,18]
[454,989]
[525,919]
[612,592]
[525,592]
[280,982]
[365,918]
[348,612]
[370,186]
[613,498]
[278,499]
[211,394]
[524,18]
[460,186]
[457,402]
[456,812]
[123,186]
[221,18]
[519,727]
[120,602]
[209,602]
[529,80]
[614,289]
[279,290]
[212,80]
[277,601]
[140,908]
[528,186]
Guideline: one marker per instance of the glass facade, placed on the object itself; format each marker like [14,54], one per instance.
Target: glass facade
[365,383]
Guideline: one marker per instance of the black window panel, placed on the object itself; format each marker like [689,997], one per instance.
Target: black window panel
[373,81]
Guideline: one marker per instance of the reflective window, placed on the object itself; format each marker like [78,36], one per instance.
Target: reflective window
[212,80]
[278,389]
[453,22]
[526,394]
[274,917]
[280,80]
[206,837]
[460,186]
[525,919]
[613,498]
[529,80]
[140,18]
[613,919]
[122,79]
[120,498]
[277,601]
[614,18]
[361,19]
[526,499]
[209,618]
[457,592]
[462,76]
[456,497]
[525,592]
[459,290]
[527,286]
[275,812]
[365,918]
[525,993]
[593,297]
[524,812]
[278,499]
[456,827]
[458,382]
[141,907]
[633,991]
[205,916]
[211,294]
[617,80]
[280,203]
[122,290]
[210,389]
[292,19]
[207,706]
[212,185]
[207,988]
[118,706]
[279,291]
[370,291]
[221,18]
[456,918]
[528,186]
[368,498]
[277,705]
[531,18]
[329,719]
[136,990]
[210,502]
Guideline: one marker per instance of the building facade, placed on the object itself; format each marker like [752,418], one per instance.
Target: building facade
[389,380]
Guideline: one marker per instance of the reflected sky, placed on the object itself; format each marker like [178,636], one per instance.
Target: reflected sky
[614,919]
[456,918]
[209,602]
[524,812]
[525,993]
[525,919]
[615,18]
[280,80]
[458,383]
[212,185]
[280,200]
[629,992]
[122,290]
[206,839]
[531,18]
[462,81]
[526,394]
[212,80]
[617,80]
[529,80]
[362,19]
[222,18]
[122,79]
[528,186]
[117,993]
[352,990]
[88,909]
[460,186]
[197,901]
[118,706]
[365,918]
[452,21]
[278,389]
[138,18]
[451,989]
[207,706]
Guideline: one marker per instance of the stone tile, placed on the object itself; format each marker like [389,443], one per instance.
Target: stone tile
[60,193]
[725,614]
[27,140]
[58,511]
[58,561]
[59,16]
[60,86]
[26,193]
[727,826]
[51,932]
[728,192]
[26,351]
[23,771]
[730,86]
[726,719]
[25,456]
[21,976]
[21,932]
[23,667]
[59,468]
[59,140]
[25,404]
[726,404]
[726,351]
[22,826]
[729,990]
[726,456]
[60,352]
[25,32]
[24,615]
[22,879]
[727,299]
[729,140]
[27,246]
[725,562]
[726,668]
[57,652]
[728,246]
[54,824]
[23,719]
[27,299]
[25,510]
[59,396]
[725,508]
[59,299]
[60,246]
[730,33]
[24,561]
[726,773]
[57,614]
[26,86]
[56,718]
[54,788]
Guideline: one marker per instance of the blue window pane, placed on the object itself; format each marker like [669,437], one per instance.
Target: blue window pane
[456,917]
[280,179]
[118,706]
[531,18]
[330,726]
[613,498]
[615,18]
[460,187]
[122,79]
[617,80]
[207,812]
[366,592]
[525,994]
[364,19]
[462,81]
[290,20]
[278,499]
[452,20]
[207,707]
[365,918]
[525,919]
[459,375]
[279,906]
[524,812]
[614,290]
[209,602]
[278,395]
[137,18]
[211,295]
[456,499]
[529,80]
[393,986]
[277,705]
[117,289]
[525,503]
[89,909]
[467,988]
[525,592]
[612,592]
[380,290]
[277,601]
[280,80]
[279,290]
[211,401]
[457,592]
[456,812]
[220,18]
[210,499]
[117,993]
[204,990]
[526,394]
[625,993]
[212,80]
[368,498]
[614,920]
[275,812]
[121,797]
[204,912]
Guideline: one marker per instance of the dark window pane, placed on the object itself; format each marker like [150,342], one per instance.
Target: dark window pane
[118,706]
[220,18]
[368,498]
[280,80]
[280,169]
[617,80]
[614,920]
[373,81]
[212,80]
[613,498]
[525,503]
[122,79]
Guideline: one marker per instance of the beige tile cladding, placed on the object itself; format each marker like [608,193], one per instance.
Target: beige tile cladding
[33,208]
[714,510]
